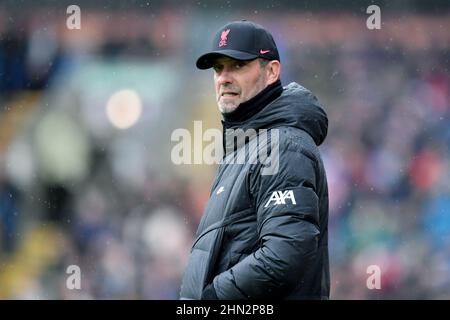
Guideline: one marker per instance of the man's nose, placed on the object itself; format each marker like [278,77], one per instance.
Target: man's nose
[224,77]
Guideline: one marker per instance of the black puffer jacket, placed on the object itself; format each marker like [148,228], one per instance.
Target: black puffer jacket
[265,235]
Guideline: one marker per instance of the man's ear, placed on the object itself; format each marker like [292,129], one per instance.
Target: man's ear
[273,71]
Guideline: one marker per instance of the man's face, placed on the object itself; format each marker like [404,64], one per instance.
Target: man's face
[237,81]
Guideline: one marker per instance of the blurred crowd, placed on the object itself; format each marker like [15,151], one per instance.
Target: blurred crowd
[75,189]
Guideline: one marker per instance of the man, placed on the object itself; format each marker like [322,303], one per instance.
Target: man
[262,235]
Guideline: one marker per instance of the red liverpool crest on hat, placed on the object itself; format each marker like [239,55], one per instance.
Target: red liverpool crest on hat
[224,38]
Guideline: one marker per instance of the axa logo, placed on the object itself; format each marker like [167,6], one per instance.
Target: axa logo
[280,197]
[224,38]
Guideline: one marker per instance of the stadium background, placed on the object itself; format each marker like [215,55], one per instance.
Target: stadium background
[76,189]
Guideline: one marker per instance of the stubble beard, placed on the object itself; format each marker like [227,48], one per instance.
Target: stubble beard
[227,107]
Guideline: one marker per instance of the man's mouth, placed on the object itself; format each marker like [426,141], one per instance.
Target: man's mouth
[229,94]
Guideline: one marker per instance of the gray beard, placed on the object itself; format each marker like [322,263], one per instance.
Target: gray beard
[229,107]
[226,107]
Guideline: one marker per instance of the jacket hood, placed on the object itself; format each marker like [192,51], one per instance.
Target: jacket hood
[296,107]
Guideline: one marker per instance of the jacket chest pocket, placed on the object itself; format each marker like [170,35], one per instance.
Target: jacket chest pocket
[228,196]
